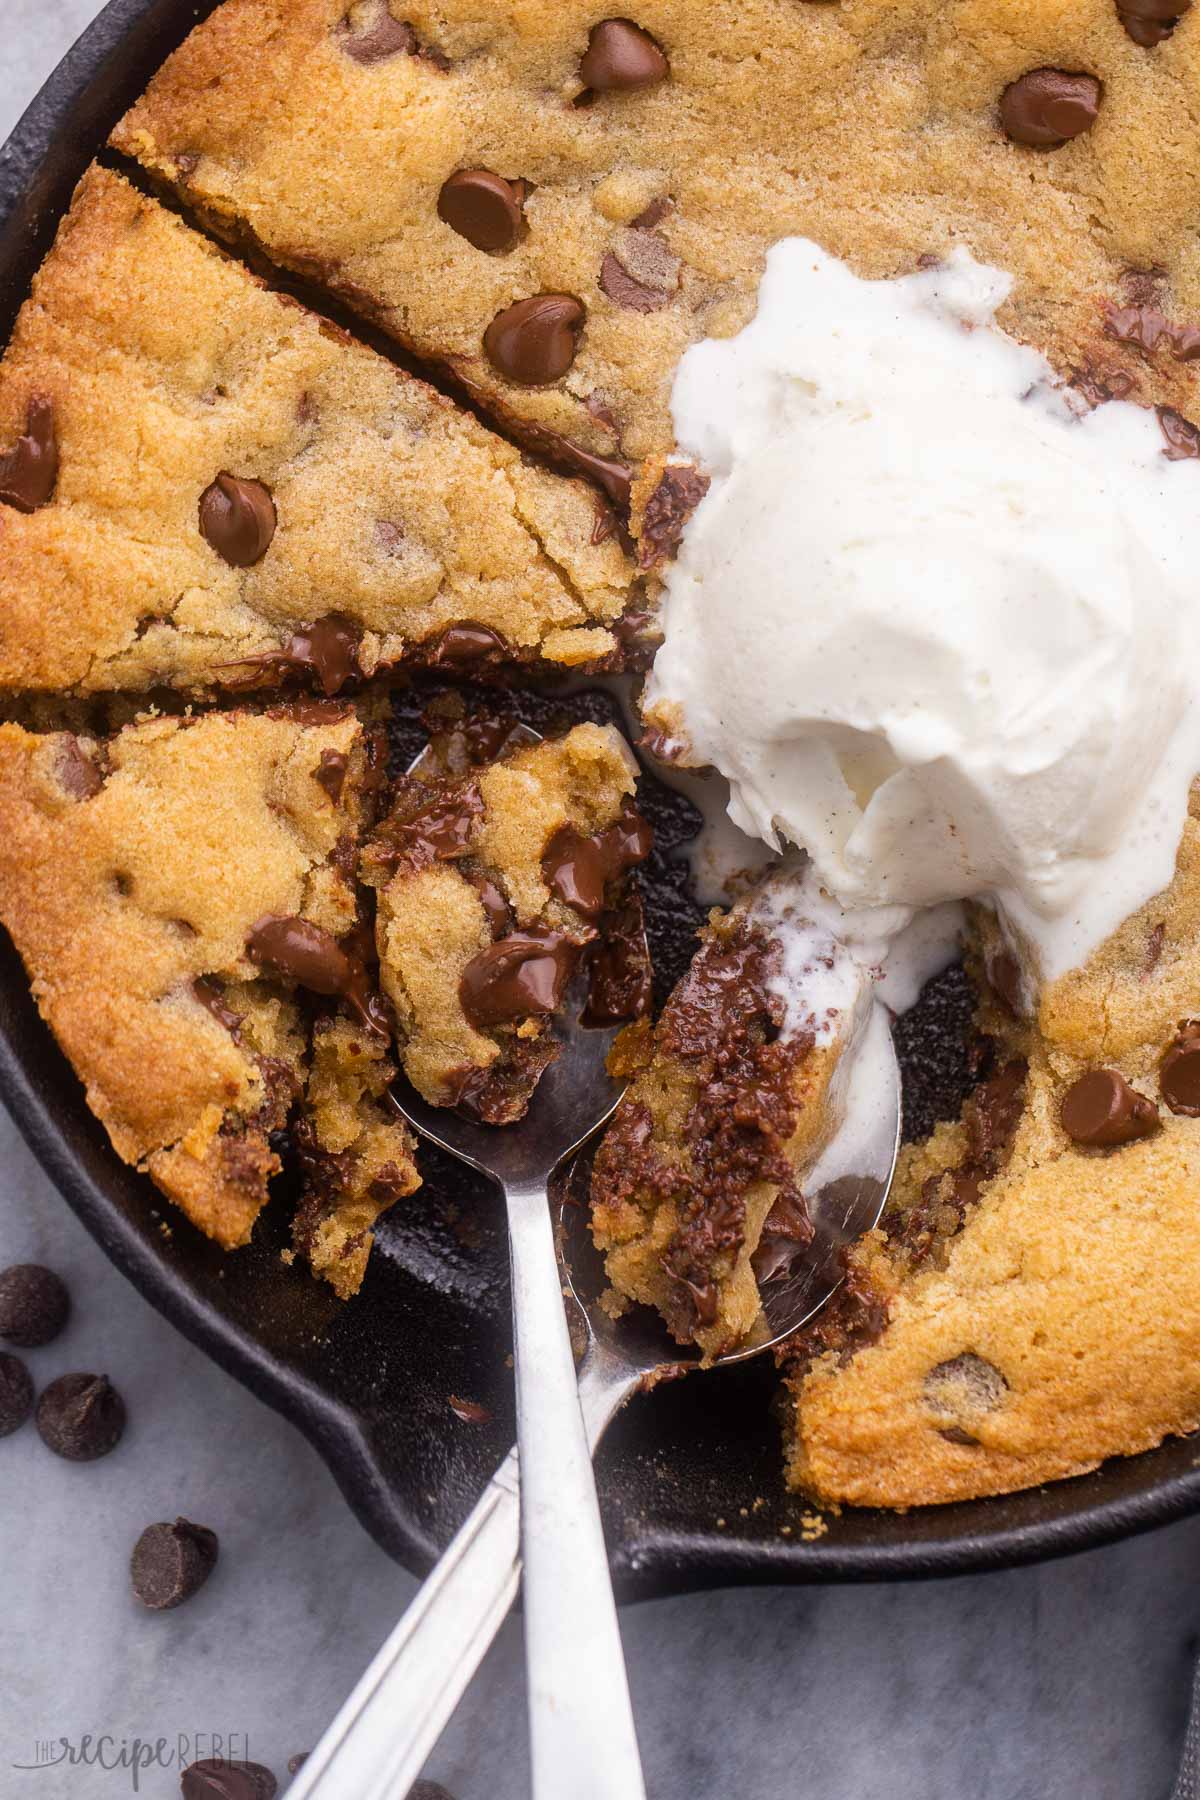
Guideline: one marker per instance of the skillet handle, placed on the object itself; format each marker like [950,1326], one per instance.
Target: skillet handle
[378,1744]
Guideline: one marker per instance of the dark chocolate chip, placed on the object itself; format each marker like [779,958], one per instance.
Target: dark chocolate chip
[331,773]
[1183,438]
[640,272]
[1101,1110]
[1179,1070]
[34,1304]
[375,34]
[213,1001]
[534,341]
[1004,979]
[966,1385]
[1048,106]
[519,977]
[16,1393]
[621,57]
[1148,22]
[499,913]
[29,471]
[460,644]
[170,1563]
[81,1417]
[328,649]
[76,771]
[484,208]
[577,866]
[237,517]
[215,1779]
[619,971]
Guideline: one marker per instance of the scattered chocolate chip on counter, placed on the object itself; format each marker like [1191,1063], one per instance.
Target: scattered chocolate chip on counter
[34,1305]
[1101,1111]
[81,1417]
[213,1779]
[170,1563]
[16,1393]
[1048,107]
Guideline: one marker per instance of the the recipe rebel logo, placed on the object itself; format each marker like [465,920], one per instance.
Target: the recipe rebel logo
[134,1756]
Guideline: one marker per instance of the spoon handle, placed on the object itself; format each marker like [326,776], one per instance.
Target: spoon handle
[582,1736]
[381,1738]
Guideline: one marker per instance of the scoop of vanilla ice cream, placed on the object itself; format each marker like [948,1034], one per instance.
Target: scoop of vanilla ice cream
[934,624]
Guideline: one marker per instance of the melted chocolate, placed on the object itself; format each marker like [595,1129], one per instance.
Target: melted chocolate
[439,830]
[312,957]
[620,979]
[522,976]
[331,773]
[213,1000]
[578,868]
[29,471]
[327,649]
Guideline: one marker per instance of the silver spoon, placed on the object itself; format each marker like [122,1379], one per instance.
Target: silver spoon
[581,1725]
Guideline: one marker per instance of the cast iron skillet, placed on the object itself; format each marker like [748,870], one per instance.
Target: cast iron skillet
[690,1476]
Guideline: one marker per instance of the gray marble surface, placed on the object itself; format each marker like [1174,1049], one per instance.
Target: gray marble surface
[1067,1682]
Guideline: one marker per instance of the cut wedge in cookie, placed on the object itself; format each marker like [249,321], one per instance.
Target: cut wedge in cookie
[501,869]
[182,895]
[204,484]
[697,1187]
[555,204]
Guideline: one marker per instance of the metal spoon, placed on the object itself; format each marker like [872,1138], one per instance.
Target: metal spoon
[582,1735]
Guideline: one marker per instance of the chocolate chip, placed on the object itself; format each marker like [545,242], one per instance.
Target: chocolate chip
[484,208]
[81,1417]
[621,57]
[331,773]
[297,1762]
[29,471]
[966,1385]
[1148,22]
[577,866]
[1048,106]
[1101,1110]
[370,33]
[16,1393]
[1179,1070]
[327,649]
[77,773]
[681,487]
[1183,439]
[440,831]
[468,644]
[520,977]
[496,907]
[170,1563]
[237,517]
[312,957]
[640,272]
[215,1779]
[34,1304]
[534,341]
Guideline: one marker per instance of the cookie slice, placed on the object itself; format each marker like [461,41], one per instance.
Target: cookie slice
[555,203]
[501,865]
[203,483]
[697,1188]
[182,895]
